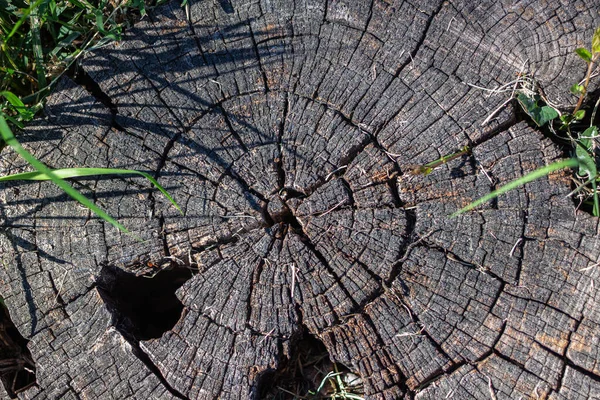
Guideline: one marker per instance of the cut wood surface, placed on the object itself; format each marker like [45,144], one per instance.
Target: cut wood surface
[288,131]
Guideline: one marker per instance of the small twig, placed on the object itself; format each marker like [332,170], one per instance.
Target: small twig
[419,333]
[331,209]
[392,156]
[218,84]
[486,174]
[580,187]
[334,171]
[589,267]
[267,335]
[293,280]
[512,94]
[500,89]
[512,251]
[491,388]
[588,75]
[450,23]
[496,111]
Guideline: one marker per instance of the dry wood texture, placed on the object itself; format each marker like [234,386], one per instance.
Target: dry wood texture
[287,131]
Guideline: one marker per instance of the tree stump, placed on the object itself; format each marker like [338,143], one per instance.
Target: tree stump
[289,133]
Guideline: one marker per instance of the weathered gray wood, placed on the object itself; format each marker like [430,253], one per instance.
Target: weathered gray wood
[288,132]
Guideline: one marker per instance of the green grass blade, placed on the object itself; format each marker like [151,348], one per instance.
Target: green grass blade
[18,105]
[596,208]
[10,139]
[38,52]
[12,98]
[22,20]
[66,173]
[538,173]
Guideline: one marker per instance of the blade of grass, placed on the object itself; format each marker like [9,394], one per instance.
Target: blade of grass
[38,52]
[22,19]
[24,113]
[10,139]
[66,173]
[429,167]
[538,173]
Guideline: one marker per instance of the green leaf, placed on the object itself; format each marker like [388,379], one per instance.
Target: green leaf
[100,22]
[566,118]
[539,115]
[77,4]
[585,138]
[596,41]
[65,42]
[587,164]
[25,113]
[139,4]
[12,120]
[547,114]
[12,98]
[577,89]
[584,54]
[538,173]
[579,115]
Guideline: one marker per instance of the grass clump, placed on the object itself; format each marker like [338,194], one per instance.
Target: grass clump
[572,124]
[39,41]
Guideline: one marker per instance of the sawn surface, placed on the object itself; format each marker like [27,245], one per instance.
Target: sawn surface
[289,131]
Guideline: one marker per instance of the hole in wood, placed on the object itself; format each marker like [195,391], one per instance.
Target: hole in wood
[143,307]
[309,374]
[17,369]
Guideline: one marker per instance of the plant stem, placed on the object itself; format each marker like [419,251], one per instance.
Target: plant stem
[586,83]
[427,168]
